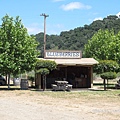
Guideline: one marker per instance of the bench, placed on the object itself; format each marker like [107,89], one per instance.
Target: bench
[61,85]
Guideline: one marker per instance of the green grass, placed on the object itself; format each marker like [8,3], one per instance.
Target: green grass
[80,94]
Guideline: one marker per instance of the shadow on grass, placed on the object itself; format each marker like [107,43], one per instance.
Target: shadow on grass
[40,90]
[108,86]
[12,87]
[9,89]
[96,89]
[101,84]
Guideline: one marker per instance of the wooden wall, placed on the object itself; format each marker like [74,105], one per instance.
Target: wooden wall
[78,76]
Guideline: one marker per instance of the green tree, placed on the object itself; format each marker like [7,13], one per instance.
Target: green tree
[44,67]
[106,76]
[104,45]
[106,66]
[107,70]
[18,51]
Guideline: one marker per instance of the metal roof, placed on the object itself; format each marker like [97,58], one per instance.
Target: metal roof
[82,61]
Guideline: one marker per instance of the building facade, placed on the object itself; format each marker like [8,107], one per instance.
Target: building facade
[71,67]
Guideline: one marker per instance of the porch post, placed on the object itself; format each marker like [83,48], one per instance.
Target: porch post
[91,74]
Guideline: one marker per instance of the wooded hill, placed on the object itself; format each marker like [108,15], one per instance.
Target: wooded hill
[76,39]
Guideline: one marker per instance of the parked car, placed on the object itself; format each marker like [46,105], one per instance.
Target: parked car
[2,80]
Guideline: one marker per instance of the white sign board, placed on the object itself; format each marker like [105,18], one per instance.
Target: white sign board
[63,54]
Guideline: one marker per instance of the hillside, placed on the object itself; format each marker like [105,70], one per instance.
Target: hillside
[76,39]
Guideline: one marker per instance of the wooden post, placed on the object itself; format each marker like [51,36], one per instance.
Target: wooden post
[91,74]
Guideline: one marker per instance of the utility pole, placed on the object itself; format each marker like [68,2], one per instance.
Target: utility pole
[44,77]
[44,15]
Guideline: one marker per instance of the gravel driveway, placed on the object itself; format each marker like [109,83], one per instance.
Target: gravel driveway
[27,105]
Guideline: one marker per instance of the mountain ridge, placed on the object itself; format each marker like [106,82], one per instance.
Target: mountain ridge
[76,38]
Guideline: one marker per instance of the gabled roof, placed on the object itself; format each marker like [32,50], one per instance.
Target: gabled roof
[68,62]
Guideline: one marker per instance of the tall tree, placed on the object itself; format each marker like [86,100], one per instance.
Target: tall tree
[17,48]
[104,45]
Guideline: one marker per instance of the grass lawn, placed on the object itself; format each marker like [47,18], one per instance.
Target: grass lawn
[99,93]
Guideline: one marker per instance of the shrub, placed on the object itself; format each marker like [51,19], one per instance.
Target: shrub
[106,66]
[108,75]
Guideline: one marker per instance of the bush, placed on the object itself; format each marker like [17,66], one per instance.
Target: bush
[108,75]
[106,66]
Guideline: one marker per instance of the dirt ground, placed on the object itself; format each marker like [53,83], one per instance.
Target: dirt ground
[48,105]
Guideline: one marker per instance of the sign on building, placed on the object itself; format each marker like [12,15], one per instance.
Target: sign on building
[63,54]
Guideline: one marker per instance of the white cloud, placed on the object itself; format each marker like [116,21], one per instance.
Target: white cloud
[99,18]
[118,14]
[75,5]
[34,28]
[55,28]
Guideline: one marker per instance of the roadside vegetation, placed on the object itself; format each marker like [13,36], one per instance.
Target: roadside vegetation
[99,40]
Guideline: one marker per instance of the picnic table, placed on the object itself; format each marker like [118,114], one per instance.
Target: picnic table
[61,85]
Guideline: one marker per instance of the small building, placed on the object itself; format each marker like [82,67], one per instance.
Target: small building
[71,67]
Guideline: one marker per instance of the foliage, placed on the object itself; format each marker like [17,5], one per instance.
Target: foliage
[118,74]
[50,65]
[44,67]
[106,66]
[108,75]
[76,39]
[104,45]
[43,71]
[17,49]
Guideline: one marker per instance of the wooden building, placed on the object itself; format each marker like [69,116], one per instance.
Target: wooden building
[71,67]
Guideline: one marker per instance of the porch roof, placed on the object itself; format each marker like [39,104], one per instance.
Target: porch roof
[82,61]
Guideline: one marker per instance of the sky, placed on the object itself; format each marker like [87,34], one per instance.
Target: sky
[64,15]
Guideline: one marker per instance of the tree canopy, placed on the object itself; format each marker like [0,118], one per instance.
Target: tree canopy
[106,66]
[18,50]
[104,45]
[50,65]
[44,67]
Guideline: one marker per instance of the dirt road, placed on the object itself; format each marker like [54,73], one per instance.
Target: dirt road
[29,105]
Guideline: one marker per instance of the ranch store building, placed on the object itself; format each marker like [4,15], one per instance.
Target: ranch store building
[71,67]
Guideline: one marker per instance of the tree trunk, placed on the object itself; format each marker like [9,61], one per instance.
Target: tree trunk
[6,78]
[104,84]
[44,82]
[8,81]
